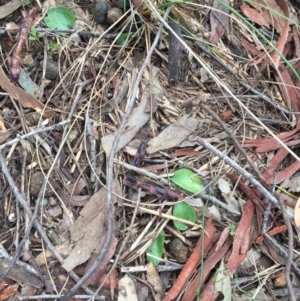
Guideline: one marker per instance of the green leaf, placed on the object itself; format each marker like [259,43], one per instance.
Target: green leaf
[156,249]
[187,180]
[123,38]
[59,17]
[184,211]
[33,31]
[32,38]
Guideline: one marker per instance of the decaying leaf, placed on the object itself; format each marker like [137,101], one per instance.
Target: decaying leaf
[21,272]
[223,283]
[10,7]
[140,116]
[127,291]
[8,291]
[101,270]
[218,21]
[173,134]
[26,99]
[266,13]
[88,229]
[155,281]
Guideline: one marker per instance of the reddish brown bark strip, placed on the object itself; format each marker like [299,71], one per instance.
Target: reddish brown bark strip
[210,263]
[192,262]
[241,238]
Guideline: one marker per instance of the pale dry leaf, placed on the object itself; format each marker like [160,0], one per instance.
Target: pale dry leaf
[63,249]
[223,283]
[297,213]
[155,281]
[292,183]
[139,117]
[173,134]
[127,290]
[9,8]
[21,272]
[215,213]
[88,229]
[224,186]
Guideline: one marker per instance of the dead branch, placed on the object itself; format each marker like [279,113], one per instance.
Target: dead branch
[242,171]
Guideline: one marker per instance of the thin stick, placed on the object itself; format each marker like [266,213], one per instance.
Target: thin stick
[39,130]
[242,171]
[92,146]
[229,132]
[42,297]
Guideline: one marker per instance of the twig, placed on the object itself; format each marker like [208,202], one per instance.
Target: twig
[143,268]
[110,172]
[92,146]
[242,171]
[34,132]
[281,251]
[57,30]
[163,181]
[42,297]
[290,254]
[230,134]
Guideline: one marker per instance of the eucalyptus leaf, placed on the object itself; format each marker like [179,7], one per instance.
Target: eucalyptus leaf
[184,211]
[156,249]
[187,180]
[59,17]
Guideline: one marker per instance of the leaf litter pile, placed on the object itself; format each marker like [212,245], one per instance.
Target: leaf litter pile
[149,150]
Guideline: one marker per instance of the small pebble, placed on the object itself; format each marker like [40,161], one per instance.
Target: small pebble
[113,15]
[100,12]
[51,69]
[178,250]
[12,218]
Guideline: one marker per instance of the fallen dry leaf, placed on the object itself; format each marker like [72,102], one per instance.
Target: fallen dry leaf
[155,281]
[219,16]
[9,291]
[9,8]
[21,272]
[87,230]
[263,16]
[127,291]
[26,99]
[101,269]
[173,134]
[140,115]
